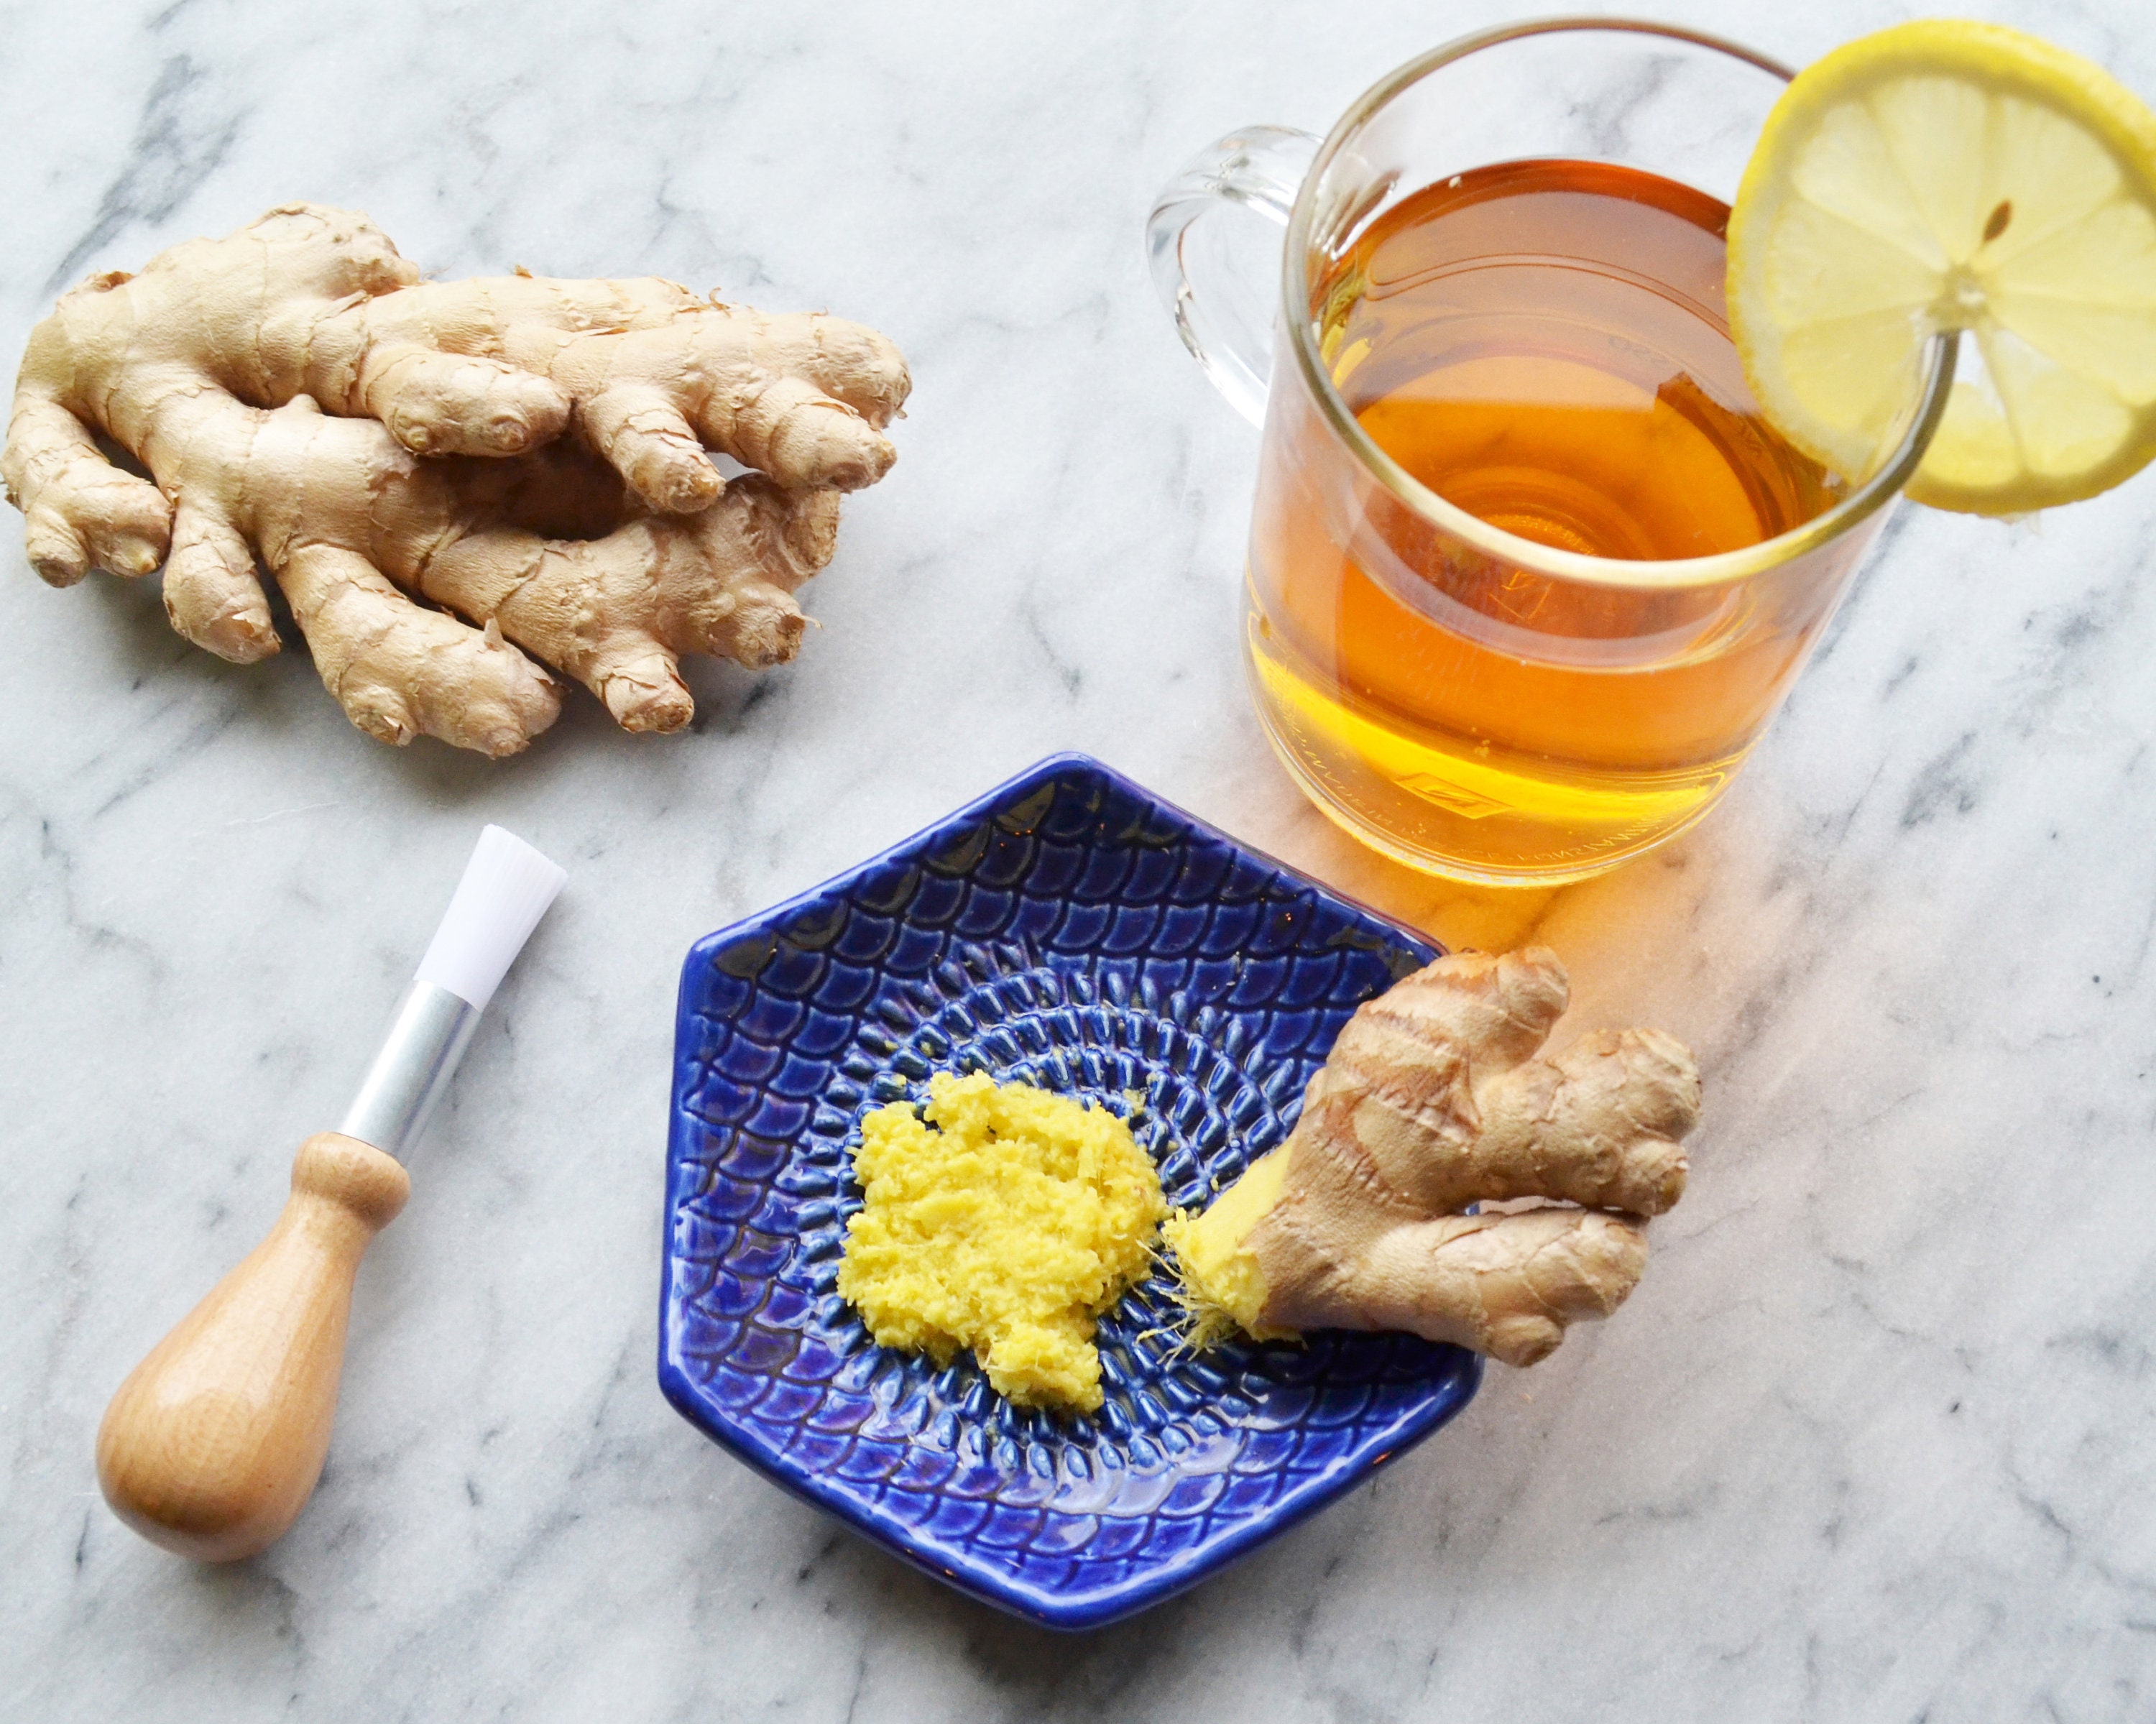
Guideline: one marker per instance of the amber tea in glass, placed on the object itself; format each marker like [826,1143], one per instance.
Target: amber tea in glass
[1541,343]
[1528,572]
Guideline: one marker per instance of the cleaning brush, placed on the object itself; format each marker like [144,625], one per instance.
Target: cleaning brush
[212,1444]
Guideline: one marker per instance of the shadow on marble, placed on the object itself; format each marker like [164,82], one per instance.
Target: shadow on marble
[1626,936]
[125,625]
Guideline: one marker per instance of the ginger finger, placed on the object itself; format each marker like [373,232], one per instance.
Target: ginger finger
[1497,1010]
[616,612]
[83,512]
[650,397]
[840,384]
[773,540]
[54,549]
[853,363]
[1502,1285]
[646,439]
[459,405]
[584,607]
[655,374]
[400,670]
[211,592]
[1598,1125]
[798,435]
[1432,1099]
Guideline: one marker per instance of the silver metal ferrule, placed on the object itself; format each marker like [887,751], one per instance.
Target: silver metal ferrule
[418,1057]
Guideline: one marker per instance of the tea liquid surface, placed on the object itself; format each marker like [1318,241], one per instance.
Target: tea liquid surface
[1544,344]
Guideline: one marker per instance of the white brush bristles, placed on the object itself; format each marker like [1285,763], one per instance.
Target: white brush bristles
[507,888]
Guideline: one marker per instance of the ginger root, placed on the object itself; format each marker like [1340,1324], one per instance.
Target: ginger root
[1434,1098]
[528,454]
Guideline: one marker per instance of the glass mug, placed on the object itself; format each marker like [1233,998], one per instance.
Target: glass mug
[1517,707]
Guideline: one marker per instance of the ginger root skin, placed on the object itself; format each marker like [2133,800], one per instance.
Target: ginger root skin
[1432,1098]
[440,475]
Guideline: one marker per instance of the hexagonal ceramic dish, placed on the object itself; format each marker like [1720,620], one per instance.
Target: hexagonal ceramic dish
[1071,930]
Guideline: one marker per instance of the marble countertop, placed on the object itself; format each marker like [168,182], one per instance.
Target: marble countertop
[1874,1440]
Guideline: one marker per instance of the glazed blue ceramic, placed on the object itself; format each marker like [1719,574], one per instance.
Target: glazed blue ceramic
[1071,931]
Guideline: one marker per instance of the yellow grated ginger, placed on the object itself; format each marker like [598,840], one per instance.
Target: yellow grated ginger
[1005,1223]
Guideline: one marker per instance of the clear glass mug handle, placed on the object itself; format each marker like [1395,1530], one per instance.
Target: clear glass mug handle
[1227,325]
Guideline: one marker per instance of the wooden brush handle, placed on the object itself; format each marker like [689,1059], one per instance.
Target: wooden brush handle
[213,1445]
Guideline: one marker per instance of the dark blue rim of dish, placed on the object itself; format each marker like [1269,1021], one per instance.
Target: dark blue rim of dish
[989,1584]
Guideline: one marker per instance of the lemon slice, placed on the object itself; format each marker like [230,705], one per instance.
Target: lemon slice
[1946,175]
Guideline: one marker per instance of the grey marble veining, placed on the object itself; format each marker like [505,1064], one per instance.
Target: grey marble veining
[1876,1437]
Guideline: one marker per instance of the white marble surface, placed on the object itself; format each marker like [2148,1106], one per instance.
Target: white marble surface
[1875,1439]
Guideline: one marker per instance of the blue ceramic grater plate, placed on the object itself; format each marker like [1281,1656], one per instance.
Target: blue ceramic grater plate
[1071,930]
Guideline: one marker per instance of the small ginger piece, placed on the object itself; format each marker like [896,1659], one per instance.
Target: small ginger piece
[1434,1098]
[1004,1220]
[438,474]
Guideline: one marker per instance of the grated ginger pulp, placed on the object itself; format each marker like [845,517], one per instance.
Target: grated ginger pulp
[1004,1220]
